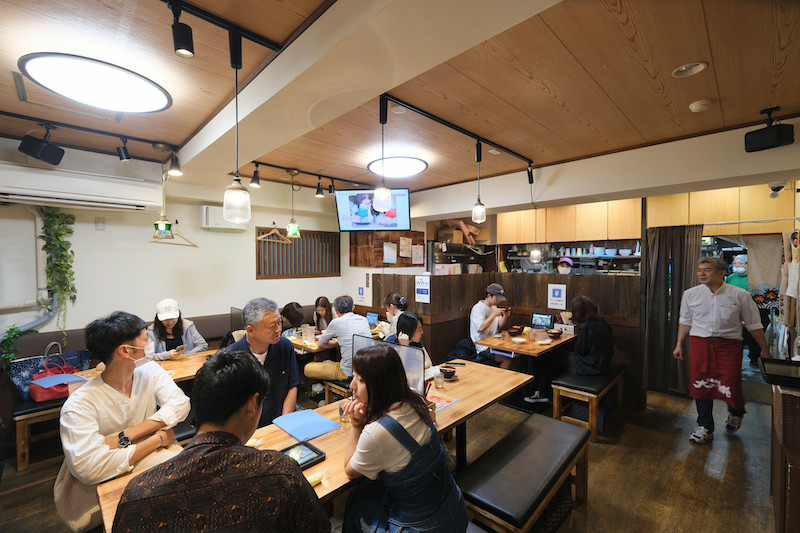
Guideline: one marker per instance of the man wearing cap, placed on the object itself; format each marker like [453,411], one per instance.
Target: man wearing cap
[486,319]
[564,265]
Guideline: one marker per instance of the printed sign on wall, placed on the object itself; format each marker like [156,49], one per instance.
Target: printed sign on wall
[556,296]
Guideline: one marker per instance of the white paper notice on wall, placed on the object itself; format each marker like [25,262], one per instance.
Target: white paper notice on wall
[794,279]
[422,289]
[417,254]
[405,247]
[390,252]
[556,296]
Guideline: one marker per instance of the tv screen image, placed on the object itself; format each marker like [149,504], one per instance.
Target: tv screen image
[355,212]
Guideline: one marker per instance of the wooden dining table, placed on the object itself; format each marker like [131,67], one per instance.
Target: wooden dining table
[529,346]
[184,367]
[475,388]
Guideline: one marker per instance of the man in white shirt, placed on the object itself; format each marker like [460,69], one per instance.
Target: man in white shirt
[117,422]
[486,319]
[712,315]
[339,333]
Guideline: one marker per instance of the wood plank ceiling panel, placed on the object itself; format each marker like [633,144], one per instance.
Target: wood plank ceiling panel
[756,49]
[273,19]
[630,53]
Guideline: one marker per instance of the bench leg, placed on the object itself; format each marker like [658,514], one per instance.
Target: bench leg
[582,476]
[557,404]
[328,395]
[594,415]
[461,446]
[23,444]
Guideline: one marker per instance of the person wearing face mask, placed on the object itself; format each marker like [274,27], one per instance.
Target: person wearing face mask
[738,278]
[118,422]
[564,265]
[171,334]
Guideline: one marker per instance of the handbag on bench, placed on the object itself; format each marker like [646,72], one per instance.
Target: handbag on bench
[51,368]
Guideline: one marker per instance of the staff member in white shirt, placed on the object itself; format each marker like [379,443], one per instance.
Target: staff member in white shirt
[712,315]
[118,421]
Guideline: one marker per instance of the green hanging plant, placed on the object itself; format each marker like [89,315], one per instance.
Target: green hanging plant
[57,227]
[8,345]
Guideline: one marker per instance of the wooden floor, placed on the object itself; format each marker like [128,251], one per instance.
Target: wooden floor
[644,474]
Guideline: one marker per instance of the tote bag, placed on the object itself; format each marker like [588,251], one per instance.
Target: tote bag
[51,368]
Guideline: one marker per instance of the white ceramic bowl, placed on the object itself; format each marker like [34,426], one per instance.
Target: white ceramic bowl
[611,251]
[625,251]
[518,340]
[599,250]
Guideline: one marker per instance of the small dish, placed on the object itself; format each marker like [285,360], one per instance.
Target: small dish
[518,340]
[498,335]
[452,378]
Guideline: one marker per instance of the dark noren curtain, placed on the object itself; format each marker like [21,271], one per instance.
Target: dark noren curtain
[673,253]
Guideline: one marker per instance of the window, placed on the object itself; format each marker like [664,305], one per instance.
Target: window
[315,254]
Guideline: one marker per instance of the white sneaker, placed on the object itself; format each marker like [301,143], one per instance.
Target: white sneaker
[317,388]
[701,435]
[535,398]
[733,423]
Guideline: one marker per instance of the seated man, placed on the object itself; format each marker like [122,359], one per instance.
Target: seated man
[487,319]
[218,483]
[339,333]
[275,353]
[113,424]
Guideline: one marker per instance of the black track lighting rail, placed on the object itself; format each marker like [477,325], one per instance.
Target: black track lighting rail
[315,174]
[87,130]
[227,25]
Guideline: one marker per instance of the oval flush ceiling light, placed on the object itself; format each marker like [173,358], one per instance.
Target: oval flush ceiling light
[95,83]
[397,166]
[689,69]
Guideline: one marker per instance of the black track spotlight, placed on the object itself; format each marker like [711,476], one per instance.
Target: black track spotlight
[41,149]
[181,33]
[122,151]
[175,166]
[530,175]
[255,181]
[331,188]
[320,193]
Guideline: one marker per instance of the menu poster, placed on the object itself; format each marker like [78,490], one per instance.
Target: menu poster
[389,252]
[417,254]
[405,247]
[441,399]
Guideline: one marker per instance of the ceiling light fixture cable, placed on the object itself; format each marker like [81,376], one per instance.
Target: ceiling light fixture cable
[236,202]
[478,210]
[293,228]
[382,201]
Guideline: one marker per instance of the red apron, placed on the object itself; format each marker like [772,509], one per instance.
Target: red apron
[715,370]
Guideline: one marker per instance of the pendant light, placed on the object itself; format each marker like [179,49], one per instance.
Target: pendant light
[293,228]
[163,227]
[236,203]
[478,210]
[382,201]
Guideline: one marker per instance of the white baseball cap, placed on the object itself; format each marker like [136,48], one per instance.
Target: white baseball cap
[167,309]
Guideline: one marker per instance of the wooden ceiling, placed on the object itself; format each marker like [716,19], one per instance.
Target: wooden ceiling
[583,78]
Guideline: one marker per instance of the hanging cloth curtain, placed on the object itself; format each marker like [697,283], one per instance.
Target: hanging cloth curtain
[673,253]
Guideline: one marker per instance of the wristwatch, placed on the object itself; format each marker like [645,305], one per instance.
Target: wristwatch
[124,440]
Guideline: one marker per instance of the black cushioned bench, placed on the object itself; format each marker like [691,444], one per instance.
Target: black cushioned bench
[590,389]
[509,486]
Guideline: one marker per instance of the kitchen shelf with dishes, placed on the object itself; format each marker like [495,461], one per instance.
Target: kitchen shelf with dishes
[620,257]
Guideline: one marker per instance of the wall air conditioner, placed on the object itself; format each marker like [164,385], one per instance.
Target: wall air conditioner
[68,189]
[211,218]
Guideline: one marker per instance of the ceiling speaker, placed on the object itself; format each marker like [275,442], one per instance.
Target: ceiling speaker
[769,137]
[41,150]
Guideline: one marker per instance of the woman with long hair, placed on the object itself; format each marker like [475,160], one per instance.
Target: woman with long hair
[322,313]
[394,444]
[173,335]
[409,333]
[594,348]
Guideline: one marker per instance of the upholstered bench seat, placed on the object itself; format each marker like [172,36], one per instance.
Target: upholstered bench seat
[589,389]
[511,484]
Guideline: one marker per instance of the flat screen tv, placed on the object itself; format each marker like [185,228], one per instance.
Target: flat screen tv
[355,213]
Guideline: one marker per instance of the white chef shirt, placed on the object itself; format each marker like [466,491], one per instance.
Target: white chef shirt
[719,314]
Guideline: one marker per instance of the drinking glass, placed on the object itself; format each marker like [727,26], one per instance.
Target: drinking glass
[438,380]
[342,417]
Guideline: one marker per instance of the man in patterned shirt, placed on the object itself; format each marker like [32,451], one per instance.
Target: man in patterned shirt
[216,482]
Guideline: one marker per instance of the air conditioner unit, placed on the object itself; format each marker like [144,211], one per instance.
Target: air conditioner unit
[212,219]
[58,188]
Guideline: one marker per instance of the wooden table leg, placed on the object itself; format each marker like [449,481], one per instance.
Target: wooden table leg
[461,446]
[23,445]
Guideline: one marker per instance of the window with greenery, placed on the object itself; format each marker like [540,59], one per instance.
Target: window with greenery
[315,254]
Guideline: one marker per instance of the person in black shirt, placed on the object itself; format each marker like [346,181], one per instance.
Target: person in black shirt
[594,348]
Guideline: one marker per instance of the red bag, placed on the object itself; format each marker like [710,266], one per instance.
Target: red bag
[51,368]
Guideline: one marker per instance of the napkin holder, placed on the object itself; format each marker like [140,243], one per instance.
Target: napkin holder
[566,328]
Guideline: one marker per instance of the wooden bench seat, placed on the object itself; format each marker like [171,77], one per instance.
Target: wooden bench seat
[510,485]
[335,386]
[589,389]
[27,413]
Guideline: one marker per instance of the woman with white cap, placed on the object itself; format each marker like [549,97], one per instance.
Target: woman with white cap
[173,335]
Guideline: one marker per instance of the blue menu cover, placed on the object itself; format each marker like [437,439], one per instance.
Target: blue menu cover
[305,425]
[57,379]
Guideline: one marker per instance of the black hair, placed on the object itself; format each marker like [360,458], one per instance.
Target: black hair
[161,330]
[382,371]
[322,301]
[106,334]
[407,323]
[293,313]
[583,309]
[223,385]
[394,298]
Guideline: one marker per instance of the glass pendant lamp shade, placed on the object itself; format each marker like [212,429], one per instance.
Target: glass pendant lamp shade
[236,203]
[479,212]
[163,228]
[293,229]
[382,201]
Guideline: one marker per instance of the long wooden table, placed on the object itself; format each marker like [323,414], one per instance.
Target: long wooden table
[186,366]
[477,387]
[528,347]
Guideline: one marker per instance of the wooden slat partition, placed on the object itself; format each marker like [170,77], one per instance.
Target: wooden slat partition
[314,254]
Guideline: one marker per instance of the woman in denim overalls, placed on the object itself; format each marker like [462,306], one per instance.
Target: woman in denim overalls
[394,443]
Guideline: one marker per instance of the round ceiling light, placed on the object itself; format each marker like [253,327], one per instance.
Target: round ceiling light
[95,83]
[397,166]
[689,69]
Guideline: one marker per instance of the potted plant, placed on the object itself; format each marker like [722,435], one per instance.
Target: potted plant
[57,226]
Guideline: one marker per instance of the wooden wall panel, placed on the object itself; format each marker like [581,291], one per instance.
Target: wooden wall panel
[591,221]
[625,219]
[541,225]
[718,205]
[366,248]
[561,224]
[755,204]
[508,227]
[668,210]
